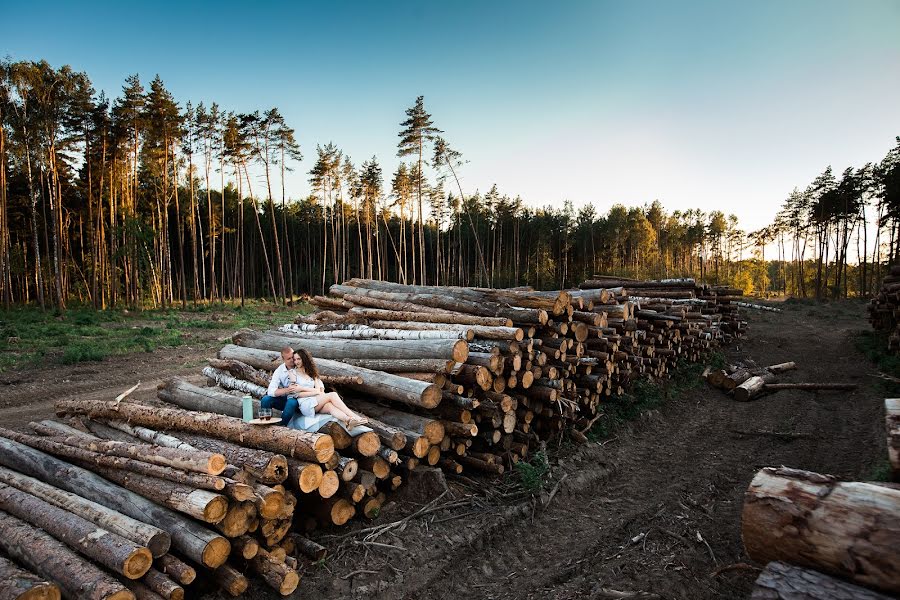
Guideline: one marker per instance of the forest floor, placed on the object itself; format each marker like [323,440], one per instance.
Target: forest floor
[653,506]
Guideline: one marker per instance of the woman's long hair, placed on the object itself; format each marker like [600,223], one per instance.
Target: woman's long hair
[308,365]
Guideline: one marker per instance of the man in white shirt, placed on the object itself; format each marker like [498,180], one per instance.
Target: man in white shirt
[280,388]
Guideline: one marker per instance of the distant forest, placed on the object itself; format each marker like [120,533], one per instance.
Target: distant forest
[143,200]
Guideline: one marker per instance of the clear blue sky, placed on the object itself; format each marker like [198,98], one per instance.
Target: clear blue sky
[718,105]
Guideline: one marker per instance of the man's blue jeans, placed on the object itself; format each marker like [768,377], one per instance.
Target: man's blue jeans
[287,406]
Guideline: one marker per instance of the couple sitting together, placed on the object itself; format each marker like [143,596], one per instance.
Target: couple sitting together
[296,386]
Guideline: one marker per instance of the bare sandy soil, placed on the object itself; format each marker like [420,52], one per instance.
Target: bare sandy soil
[656,509]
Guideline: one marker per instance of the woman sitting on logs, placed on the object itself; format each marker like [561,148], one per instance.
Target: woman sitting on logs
[311,395]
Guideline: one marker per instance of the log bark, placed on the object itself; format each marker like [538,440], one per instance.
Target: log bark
[305,476]
[162,585]
[309,548]
[153,538]
[781,581]
[408,365]
[18,584]
[199,462]
[802,518]
[268,467]
[298,444]
[230,382]
[377,333]
[456,350]
[46,556]
[892,422]
[175,568]
[330,484]
[432,429]
[279,576]
[753,387]
[189,538]
[109,549]
[231,580]
[150,436]
[189,396]
[245,546]
[243,371]
[384,316]
[97,460]
[479,331]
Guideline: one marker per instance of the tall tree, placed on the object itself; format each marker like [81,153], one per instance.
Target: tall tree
[417,131]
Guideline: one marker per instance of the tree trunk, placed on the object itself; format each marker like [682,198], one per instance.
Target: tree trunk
[176,569]
[268,467]
[188,538]
[781,581]
[802,517]
[299,444]
[279,576]
[229,382]
[109,549]
[155,539]
[163,586]
[456,350]
[231,580]
[242,371]
[419,315]
[752,387]
[18,584]
[432,429]
[198,462]
[49,558]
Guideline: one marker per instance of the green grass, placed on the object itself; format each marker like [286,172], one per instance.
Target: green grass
[532,473]
[646,395]
[880,472]
[873,345]
[29,335]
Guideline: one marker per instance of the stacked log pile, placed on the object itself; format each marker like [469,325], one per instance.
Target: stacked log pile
[826,539]
[142,499]
[884,309]
[473,379]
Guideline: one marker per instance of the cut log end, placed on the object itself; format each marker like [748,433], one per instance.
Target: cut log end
[309,478]
[324,448]
[289,583]
[216,464]
[138,563]
[216,509]
[431,396]
[41,591]
[367,444]
[216,552]
[329,485]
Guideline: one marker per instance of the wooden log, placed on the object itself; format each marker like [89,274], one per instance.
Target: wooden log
[346,468]
[162,585]
[383,316]
[153,538]
[455,350]
[477,331]
[228,381]
[366,444]
[232,581]
[192,397]
[150,436]
[305,476]
[309,548]
[18,584]
[392,437]
[402,365]
[781,581]
[49,558]
[385,385]
[109,549]
[373,332]
[892,423]
[190,539]
[330,484]
[268,467]
[198,462]
[298,444]
[242,371]
[432,429]
[269,501]
[781,367]
[802,517]
[237,520]
[279,576]
[175,568]
[752,388]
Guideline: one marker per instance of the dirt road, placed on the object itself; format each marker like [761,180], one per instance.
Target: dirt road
[655,509]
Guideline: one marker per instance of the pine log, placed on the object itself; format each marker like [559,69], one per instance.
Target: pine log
[153,538]
[175,568]
[330,484]
[237,520]
[347,468]
[402,365]
[372,332]
[305,476]
[752,387]
[102,461]
[892,422]
[49,558]
[279,576]
[189,538]
[366,444]
[781,581]
[470,331]
[109,549]
[198,462]
[299,444]
[229,382]
[309,548]
[18,584]
[231,580]
[245,546]
[150,436]
[391,437]
[189,396]
[384,316]
[432,429]
[456,350]
[267,467]
[242,371]
[162,585]
[802,517]
[781,367]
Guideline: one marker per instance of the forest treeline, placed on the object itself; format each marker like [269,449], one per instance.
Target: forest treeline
[141,200]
